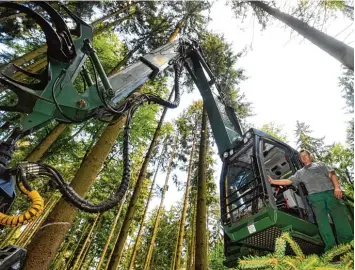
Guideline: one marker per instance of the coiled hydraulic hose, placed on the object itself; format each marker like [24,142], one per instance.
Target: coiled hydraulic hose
[32,213]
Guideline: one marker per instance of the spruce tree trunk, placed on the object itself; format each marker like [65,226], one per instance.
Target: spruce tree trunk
[84,234]
[191,248]
[9,237]
[118,250]
[104,18]
[87,242]
[46,242]
[37,153]
[111,233]
[111,24]
[337,49]
[137,242]
[34,68]
[201,260]
[13,16]
[157,219]
[184,209]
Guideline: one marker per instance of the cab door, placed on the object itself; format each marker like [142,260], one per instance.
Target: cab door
[278,161]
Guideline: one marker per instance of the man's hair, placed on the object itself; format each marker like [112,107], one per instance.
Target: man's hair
[305,151]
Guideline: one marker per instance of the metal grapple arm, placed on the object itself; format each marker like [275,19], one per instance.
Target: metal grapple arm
[56,97]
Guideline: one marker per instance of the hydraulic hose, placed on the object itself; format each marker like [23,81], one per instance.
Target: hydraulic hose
[32,213]
[67,191]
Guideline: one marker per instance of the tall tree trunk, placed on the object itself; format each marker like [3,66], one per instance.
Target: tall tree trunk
[111,233]
[111,24]
[12,16]
[191,248]
[137,242]
[117,253]
[87,242]
[9,237]
[89,263]
[157,219]
[184,209]
[339,50]
[201,260]
[104,18]
[46,242]
[83,235]
[37,153]
[34,68]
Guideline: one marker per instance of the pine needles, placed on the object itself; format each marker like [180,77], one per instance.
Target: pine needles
[279,260]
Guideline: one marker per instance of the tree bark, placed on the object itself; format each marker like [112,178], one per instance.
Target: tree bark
[137,242]
[39,221]
[201,260]
[37,153]
[191,247]
[157,219]
[337,49]
[184,209]
[118,250]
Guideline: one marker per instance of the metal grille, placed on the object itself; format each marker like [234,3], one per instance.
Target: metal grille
[266,240]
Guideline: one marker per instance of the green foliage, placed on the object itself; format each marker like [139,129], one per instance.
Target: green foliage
[342,160]
[164,247]
[346,82]
[279,260]
[306,142]
[274,130]
[109,49]
[216,256]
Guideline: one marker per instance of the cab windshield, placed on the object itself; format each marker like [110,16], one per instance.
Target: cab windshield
[242,187]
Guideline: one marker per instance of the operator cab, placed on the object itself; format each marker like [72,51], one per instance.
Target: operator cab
[254,213]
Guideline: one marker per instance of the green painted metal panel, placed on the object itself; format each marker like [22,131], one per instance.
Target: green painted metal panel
[269,217]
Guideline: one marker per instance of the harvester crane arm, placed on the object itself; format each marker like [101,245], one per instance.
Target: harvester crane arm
[56,98]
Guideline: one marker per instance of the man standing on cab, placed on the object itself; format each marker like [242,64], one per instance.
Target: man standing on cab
[324,196]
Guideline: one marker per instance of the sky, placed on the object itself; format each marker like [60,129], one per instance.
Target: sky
[288,80]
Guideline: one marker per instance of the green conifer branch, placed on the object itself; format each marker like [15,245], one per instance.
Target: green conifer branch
[336,251]
[278,260]
[311,261]
[290,262]
[280,247]
[347,257]
[294,246]
[257,262]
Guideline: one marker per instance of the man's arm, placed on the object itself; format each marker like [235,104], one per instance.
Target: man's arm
[337,191]
[280,182]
